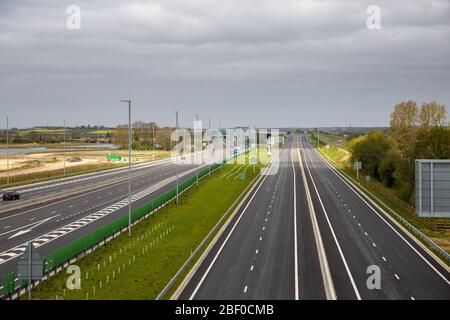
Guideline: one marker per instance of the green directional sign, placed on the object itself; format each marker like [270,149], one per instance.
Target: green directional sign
[114,157]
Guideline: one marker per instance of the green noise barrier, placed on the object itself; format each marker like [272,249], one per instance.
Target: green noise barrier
[73,249]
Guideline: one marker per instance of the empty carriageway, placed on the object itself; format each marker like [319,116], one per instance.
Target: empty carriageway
[260,254]
[359,237]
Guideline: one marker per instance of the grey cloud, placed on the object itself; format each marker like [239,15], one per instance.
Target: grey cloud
[268,63]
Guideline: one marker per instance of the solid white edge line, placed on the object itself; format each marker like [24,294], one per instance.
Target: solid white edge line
[384,220]
[229,235]
[327,279]
[355,289]
[295,231]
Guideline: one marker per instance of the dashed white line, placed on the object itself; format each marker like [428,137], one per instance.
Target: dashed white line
[396,276]
[251,268]
[245,289]
[384,259]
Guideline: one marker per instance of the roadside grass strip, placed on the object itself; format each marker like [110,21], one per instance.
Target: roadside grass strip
[139,267]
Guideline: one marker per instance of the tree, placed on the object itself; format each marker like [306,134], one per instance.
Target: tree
[432,115]
[120,136]
[433,143]
[388,168]
[404,121]
[371,150]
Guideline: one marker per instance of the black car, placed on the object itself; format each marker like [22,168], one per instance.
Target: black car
[11,195]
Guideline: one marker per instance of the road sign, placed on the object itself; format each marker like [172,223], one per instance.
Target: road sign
[242,176]
[433,188]
[36,264]
[30,266]
[114,157]
[358,166]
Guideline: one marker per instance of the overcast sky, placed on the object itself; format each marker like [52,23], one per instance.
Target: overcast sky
[269,63]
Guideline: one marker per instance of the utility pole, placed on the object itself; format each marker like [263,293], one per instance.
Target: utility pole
[196,151]
[153,138]
[176,125]
[64,153]
[98,146]
[129,165]
[7,150]
[318,135]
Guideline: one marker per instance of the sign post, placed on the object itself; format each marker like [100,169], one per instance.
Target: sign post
[358,166]
[253,161]
[30,266]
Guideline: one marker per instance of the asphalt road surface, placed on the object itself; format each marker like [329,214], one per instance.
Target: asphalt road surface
[306,233]
[53,225]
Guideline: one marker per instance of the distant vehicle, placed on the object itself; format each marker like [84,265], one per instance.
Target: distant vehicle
[11,195]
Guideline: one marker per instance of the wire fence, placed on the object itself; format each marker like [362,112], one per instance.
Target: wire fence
[84,244]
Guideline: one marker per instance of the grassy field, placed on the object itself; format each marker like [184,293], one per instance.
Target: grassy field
[139,267]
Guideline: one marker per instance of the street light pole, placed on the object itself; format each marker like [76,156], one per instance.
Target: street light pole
[7,150]
[318,135]
[176,123]
[129,165]
[98,145]
[64,153]
[153,138]
[196,151]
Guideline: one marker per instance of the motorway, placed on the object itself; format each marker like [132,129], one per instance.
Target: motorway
[36,192]
[307,233]
[54,224]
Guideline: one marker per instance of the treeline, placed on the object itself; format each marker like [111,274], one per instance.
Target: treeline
[415,133]
[145,136]
[55,135]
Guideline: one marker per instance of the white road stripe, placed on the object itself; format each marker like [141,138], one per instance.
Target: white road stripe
[352,281]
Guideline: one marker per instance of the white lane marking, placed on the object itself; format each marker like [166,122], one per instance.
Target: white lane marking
[24,227]
[251,268]
[6,227]
[396,276]
[54,211]
[245,289]
[384,259]
[43,239]
[355,289]
[260,238]
[256,252]
[229,235]
[390,226]
[374,244]
[296,284]
[412,298]
[365,233]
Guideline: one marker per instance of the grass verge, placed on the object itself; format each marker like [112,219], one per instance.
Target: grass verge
[439,237]
[140,266]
